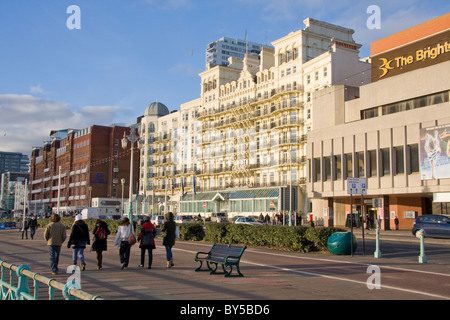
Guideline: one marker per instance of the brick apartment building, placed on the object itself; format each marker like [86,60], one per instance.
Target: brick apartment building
[81,165]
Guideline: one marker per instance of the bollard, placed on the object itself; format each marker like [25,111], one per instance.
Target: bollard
[377,253]
[422,256]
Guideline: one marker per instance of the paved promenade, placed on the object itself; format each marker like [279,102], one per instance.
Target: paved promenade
[269,274]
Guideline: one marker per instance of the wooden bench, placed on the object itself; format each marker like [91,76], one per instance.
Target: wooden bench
[224,254]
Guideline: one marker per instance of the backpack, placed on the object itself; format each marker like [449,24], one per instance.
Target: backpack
[147,238]
[101,233]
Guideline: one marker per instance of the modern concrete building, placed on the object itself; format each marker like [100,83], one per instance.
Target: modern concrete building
[218,52]
[394,132]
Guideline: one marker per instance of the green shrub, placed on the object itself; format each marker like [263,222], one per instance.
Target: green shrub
[296,238]
[191,232]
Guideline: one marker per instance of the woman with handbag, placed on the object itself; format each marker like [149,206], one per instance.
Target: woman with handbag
[124,240]
[79,237]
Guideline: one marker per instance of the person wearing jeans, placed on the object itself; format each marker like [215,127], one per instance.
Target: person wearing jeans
[55,235]
[121,241]
[79,237]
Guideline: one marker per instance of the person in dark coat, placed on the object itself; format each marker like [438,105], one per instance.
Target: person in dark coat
[99,245]
[168,228]
[147,241]
[79,237]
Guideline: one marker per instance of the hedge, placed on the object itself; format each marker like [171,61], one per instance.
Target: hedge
[294,238]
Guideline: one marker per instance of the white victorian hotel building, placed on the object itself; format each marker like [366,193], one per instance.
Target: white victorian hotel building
[241,147]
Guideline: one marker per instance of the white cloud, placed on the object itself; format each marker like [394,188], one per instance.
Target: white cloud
[27,121]
[36,89]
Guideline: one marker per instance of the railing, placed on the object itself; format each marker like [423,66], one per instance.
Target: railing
[22,291]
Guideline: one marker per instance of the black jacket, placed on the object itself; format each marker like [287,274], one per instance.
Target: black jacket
[79,235]
[100,244]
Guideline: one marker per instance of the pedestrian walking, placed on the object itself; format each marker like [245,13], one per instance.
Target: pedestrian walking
[396,222]
[147,241]
[168,228]
[99,243]
[33,225]
[123,233]
[25,226]
[79,238]
[55,235]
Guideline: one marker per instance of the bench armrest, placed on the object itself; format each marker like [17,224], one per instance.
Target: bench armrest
[205,253]
[232,257]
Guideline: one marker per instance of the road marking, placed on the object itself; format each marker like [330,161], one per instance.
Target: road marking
[347,280]
[334,277]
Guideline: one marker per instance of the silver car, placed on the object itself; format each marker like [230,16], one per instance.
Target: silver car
[184,219]
[247,220]
[157,220]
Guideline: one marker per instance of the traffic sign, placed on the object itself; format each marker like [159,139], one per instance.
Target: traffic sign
[357,186]
[204,204]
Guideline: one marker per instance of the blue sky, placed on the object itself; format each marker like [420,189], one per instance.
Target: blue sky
[129,53]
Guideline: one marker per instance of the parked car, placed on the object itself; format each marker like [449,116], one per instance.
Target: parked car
[219,217]
[433,226]
[247,220]
[184,219]
[157,220]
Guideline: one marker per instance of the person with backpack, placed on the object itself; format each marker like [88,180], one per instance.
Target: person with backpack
[101,232]
[147,241]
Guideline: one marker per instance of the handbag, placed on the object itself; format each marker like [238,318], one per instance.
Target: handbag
[131,238]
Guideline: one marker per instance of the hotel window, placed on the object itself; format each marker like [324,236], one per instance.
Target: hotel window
[432,99]
[325,71]
[369,113]
[317,75]
[386,166]
[373,163]
[308,79]
[414,158]
[349,165]
[316,169]
[337,168]
[399,160]
[360,157]
[327,168]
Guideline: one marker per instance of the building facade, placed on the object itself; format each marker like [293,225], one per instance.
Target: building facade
[393,132]
[78,165]
[241,146]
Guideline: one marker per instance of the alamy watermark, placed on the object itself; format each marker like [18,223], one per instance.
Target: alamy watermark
[74,20]
[374,20]
[374,280]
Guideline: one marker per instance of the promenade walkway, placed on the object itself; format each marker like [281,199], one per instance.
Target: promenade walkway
[269,274]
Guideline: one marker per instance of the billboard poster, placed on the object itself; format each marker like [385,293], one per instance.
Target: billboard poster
[435,152]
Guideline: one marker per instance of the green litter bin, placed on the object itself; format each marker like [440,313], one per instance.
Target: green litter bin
[339,243]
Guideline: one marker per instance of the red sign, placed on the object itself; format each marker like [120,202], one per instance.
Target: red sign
[272,204]
[204,204]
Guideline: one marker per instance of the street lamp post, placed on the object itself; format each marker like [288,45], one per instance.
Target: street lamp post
[122,181]
[132,137]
